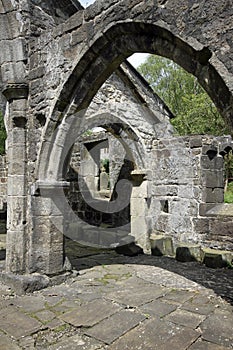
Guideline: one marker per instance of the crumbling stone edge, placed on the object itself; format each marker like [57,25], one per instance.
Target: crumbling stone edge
[29,283]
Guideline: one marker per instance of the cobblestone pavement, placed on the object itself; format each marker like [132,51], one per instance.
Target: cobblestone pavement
[120,303]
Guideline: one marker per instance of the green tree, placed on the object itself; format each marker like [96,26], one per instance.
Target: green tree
[2,134]
[194,111]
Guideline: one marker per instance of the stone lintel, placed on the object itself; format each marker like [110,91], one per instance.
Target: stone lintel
[16,91]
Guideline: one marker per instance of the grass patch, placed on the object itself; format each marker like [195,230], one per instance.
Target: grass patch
[228,196]
[107,278]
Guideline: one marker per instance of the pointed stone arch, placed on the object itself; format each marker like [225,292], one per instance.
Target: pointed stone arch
[67,64]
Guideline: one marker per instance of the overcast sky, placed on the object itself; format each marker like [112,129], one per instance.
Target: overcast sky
[135,59]
[85,3]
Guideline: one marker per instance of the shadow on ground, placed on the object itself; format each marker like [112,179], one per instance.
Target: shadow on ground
[83,257]
[219,280]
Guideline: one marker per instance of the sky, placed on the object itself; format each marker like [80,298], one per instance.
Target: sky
[86,3]
[135,59]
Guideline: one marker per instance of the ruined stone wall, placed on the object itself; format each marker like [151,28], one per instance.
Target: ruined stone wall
[188,180]
[54,58]
[182,193]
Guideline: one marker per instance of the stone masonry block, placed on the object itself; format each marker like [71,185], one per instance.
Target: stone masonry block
[42,206]
[161,245]
[138,227]
[188,252]
[195,141]
[16,185]
[10,22]
[165,190]
[12,71]
[46,246]
[13,48]
[140,191]
[204,209]
[221,226]
[213,195]
[213,178]
[17,217]
[7,6]
[216,258]
[138,207]
[201,225]
[216,163]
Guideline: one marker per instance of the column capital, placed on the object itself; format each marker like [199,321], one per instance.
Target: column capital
[15,91]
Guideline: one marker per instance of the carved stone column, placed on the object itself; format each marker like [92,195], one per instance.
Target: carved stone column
[17,221]
[49,209]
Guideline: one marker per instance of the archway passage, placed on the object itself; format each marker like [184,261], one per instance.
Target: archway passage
[68,64]
[118,42]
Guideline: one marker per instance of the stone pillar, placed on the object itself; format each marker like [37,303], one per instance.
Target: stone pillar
[17,242]
[49,208]
[139,209]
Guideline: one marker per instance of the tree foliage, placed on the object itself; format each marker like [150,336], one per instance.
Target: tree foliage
[194,111]
[2,134]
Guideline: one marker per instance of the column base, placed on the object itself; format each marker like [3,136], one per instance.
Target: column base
[29,283]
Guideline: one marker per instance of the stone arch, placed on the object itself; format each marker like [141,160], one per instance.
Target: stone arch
[113,46]
[148,109]
[87,48]
[102,205]
[110,49]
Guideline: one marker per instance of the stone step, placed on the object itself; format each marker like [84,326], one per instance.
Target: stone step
[216,258]
[161,245]
[186,252]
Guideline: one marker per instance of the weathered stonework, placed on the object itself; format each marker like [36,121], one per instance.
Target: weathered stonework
[54,58]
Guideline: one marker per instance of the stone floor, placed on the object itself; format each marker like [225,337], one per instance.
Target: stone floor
[120,303]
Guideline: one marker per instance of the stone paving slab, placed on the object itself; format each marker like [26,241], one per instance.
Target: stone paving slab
[115,326]
[218,328]
[77,342]
[136,297]
[45,316]
[150,335]
[169,279]
[89,314]
[158,308]
[18,325]
[7,344]
[204,345]
[183,340]
[117,306]
[200,304]
[185,318]
[30,303]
